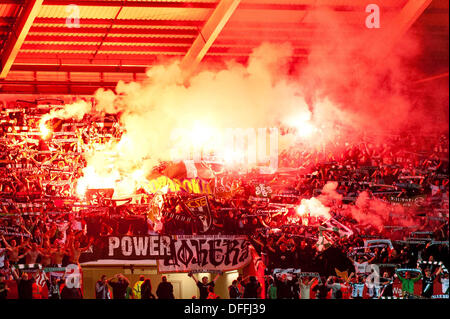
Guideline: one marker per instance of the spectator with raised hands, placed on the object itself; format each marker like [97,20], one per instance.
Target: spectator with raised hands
[102,290]
[361,265]
[24,284]
[428,282]
[335,286]
[119,284]
[386,282]
[357,285]
[252,289]
[305,286]
[204,284]
[408,283]
[13,250]
[321,289]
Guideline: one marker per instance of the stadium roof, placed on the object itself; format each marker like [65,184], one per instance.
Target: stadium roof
[117,40]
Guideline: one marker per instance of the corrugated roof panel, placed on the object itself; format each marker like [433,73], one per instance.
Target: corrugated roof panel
[116,77]
[118,36]
[165,13]
[21,75]
[51,76]
[85,12]
[115,36]
[85,76]
[154,27]
[31,51]
[8,10]
[49,34]
[143,53]
[55,43]
[108,24]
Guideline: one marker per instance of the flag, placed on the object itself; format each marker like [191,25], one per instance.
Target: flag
[199,207]
[40,279]
[323,242]
[338,228]
[341,274]
[256,268]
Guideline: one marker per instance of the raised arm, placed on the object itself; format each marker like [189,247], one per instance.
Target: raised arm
[6,243]
[14,273]
[438,271]
[88,245]
[312,281]
[399,275]
[193,277]
[350,277]
[351,259]
[112,278]
[217,277]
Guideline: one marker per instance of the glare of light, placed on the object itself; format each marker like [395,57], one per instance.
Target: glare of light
[92,180]
[201,135]
[231,157]
[305,130]
[301,210]
[45,131]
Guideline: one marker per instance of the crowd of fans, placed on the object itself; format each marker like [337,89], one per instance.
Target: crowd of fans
[44,222]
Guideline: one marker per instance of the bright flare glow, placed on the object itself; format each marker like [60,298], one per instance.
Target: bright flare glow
[92,180]
[313,207]
[306,130]
[45,131]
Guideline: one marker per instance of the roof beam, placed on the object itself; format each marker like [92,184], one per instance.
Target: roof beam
[209,33]
[16,2]
[86,31]
[140,4]
[124,22]
[18,35]
[182,48]
[111,40]
[59,83]
[404,20]
[79,68]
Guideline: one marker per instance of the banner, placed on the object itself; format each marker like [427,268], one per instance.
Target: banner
[257,268]
[262,190]
[413,201]
[193,185]
[287,271]
[335,226]
[368,243]
[177,253]
[190,253]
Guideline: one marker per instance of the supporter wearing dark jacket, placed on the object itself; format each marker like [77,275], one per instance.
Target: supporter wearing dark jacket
[24,285]
[252,289]
[165,289]
[146,290]
[119,287]
[321,290]
[284,288]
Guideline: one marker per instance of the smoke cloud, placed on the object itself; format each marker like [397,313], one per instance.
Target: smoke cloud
[348,80]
